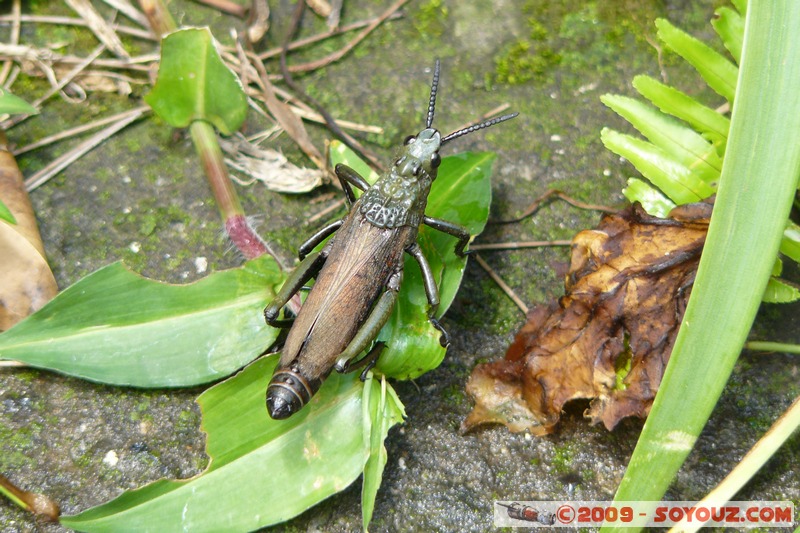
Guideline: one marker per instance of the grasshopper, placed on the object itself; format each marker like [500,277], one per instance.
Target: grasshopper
[359,271]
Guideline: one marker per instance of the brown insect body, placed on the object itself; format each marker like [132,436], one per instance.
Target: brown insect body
[355,273]
[358,273]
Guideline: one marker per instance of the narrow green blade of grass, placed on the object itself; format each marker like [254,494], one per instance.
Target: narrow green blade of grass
[675,180]
[711,124]
[681,143]
[716,70]
[384,410]
[117,327]
[756,190]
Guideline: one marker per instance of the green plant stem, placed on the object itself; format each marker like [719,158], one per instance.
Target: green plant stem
[244,237]
[766,346]
[205,142]
[158,15]
[756,190]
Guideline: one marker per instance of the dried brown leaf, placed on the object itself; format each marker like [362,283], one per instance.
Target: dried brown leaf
[26,283]
[609,337]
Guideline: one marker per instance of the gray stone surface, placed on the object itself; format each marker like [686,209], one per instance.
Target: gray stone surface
[83,443]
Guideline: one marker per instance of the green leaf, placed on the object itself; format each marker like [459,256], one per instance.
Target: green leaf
[460,194]
[14,105]
[194,84]
[790,244]
[679,142]
[729,25]
[340,153]
[6,214]
[116,327]
[716,70]
[707,121]
[779,291]
[651,199]
[757,187]
[262,471]
[674,179]
[384,410]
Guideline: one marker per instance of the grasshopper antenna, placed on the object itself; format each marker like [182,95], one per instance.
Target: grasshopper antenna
[476,127]
[434,88]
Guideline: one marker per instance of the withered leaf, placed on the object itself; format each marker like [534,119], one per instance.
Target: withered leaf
[26,282]
[609,337]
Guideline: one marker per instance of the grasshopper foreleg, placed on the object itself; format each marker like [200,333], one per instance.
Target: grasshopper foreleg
[317,238]
[347,177]
[378,316]
[307,269]
[431,291]
[457,231]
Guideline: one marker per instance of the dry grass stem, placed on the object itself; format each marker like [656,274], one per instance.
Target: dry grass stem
[502,284]
[62,162]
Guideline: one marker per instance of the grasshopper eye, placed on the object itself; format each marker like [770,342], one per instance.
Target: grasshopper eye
[436,160]
[410,139]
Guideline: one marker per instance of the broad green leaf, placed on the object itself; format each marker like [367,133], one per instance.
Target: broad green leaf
[790,244]
[758,184]
[651,199]
[6,214]
[262,471]
[679,142]
[117,327]
[460,194]
[707,121]
[384,410]
[675,180]
[716,70]
[729,25]
[14,105]
[779,291]
[194,84]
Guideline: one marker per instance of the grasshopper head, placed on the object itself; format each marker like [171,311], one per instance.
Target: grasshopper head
[421,153]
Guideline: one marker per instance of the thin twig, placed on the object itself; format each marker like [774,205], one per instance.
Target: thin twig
[345,138]
[16,9]
[305,41]
[71,75]
[72,21]
[225,6]
[547,196]
[335,56]
[62,162]
[502,284]
[98,25]
[328,210]
[518,245]
[66,134]
[127,9]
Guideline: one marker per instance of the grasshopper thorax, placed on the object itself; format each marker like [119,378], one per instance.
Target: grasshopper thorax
[399,197]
